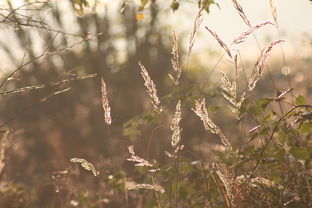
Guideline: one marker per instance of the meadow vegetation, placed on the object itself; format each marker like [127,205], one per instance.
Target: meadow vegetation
[82,127]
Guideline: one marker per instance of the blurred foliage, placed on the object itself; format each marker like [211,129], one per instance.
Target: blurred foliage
[269,166]
[81,4]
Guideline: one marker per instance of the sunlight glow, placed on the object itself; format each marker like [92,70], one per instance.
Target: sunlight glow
[104,1]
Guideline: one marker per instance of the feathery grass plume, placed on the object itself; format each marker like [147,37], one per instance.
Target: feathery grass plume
[227,185]
[138,160]
[245,34]
[229,93]
[86,165]
[175,61]
[241,13]
[266,182]
[222,44]
[197,22]
[258,68]
[3,146]
[105,103]
[273,10]
[176,132]
[157,188]
[151,88]
[176,136]
[201,111]
[258,180]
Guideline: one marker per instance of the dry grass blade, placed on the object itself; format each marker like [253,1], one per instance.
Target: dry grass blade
[197,22]
[241,13]
[105,103]
[227,185]
[51,84]
[151,88]
[222,44]
[3,146]
[229,92]
[176,136]
[201,111]
[229,88]
[254,182]
[266,182]
[258,68]
[136,159]
[157,188]
[245,34]
[273,10]
[175,61]
[86,165]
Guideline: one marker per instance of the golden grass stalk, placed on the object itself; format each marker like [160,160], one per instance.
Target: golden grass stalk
[221,43]
[136,159]
[227,185]
[258,68]
[241,13]
[176,132]
[105,103]
[266,182]
[197,22]
[176,136]
[151,88]
[86,165]
[255,182]
[157,188]
[229,88]
[229,92]
[242,37]
[201,111]
[3,146]
[175,60]
[273,10]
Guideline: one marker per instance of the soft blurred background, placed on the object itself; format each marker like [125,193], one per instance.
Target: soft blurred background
[104,40]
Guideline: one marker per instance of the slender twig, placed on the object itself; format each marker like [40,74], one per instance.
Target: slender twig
[51,84]
[43,54]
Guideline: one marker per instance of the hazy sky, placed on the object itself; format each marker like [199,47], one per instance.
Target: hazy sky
[294,17]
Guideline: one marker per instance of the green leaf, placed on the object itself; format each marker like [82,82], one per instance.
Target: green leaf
[206,4]
[255,110]
[143,2]
[282,137]
[300,100]
[175,5]
[264,102]
[305,128]
[300,153]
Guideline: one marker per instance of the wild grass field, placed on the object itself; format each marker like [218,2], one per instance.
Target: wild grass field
[110,106]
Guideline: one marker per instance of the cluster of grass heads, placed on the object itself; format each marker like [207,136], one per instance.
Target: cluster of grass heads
[269,167]
[272,166]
